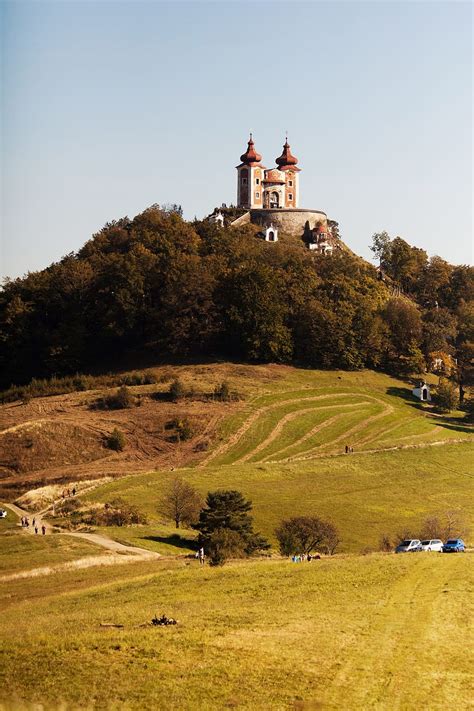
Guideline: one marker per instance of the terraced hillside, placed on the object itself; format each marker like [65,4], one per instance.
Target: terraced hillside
[370,412]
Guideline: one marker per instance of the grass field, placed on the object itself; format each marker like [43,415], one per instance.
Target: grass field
[340,633]
[365,495]
[309,413]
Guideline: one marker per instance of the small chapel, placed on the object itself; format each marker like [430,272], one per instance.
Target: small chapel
[267,188]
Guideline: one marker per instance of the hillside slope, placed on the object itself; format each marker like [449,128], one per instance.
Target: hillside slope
[282,414]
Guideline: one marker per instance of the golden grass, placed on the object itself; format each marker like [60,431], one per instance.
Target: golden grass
[341,633]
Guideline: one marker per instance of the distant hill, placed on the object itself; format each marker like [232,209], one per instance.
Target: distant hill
[187,290]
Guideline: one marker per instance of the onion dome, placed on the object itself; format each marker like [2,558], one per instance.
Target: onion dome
[273,176]
[251,157]
[286,160]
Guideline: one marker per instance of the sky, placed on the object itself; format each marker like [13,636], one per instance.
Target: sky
[109,107]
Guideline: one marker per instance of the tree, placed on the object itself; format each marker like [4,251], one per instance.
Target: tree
[304,534]
[224,544]
[381,248]
[447,397]
[229,511]
[181,502]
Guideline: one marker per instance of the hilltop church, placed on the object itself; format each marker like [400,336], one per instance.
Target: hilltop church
[270,198]
[259,187]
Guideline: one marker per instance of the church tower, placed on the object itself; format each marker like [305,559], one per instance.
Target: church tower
[250,174]
[287,165]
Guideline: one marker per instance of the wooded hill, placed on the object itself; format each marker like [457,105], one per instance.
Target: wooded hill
[190,289]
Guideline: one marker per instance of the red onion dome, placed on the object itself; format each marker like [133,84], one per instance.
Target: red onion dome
[250,157]
[286,159]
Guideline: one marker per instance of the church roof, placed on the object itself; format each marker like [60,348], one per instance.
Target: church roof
[251,157]
[287,160]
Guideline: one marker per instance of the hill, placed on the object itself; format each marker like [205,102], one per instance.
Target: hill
[159,285]
[279,414]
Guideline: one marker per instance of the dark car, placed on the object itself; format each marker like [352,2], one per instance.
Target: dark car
[454,545]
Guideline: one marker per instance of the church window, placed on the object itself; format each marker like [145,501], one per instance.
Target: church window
[258,181]
[290,183]
[257,195]
[290,196]
[244,181]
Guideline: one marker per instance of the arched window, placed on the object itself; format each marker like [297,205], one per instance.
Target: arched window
[271,236]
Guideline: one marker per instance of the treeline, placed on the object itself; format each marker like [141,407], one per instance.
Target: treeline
[186,289]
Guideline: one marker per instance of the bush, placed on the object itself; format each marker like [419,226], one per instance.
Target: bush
[120,400]
[304,534]
[177,390]
[116,440]
[68,506]
[116,513]
[183,428]
[224,544]
[222,392]
[385,544]
[139,379]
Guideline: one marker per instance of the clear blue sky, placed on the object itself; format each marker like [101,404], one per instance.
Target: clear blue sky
[109,107]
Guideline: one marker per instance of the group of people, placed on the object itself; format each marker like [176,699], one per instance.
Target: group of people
[68,492]
[349,449]
[305,557]
[25,523]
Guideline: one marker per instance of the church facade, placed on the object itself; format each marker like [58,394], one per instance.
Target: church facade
[273,188]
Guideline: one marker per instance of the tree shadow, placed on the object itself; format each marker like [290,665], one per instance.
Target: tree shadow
[406,395]
[174,540]
[452,424]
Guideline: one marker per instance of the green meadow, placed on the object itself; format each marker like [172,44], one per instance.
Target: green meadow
[365,495]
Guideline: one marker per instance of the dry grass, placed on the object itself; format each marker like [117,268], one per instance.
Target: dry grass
[340,633]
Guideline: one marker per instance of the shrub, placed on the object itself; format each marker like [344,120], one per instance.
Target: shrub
[184,430]
[304,534]
[120,400]
[177,390]
[139,379]
[222,392]
[64,508]
[115,513]
[385,544]
[116,440]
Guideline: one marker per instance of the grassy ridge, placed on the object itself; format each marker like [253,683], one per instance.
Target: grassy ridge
[333,634]
[376,411]
[365,495]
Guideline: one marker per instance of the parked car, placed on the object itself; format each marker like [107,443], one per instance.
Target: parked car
[411,545]
[434,544]
[3,513]
[454,545]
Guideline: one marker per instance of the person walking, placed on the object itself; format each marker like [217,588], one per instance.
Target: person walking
[201,556]
[36,530]
[74,491]
[43,529]
[33,523]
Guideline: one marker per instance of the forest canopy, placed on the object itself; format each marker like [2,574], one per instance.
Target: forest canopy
[192,289]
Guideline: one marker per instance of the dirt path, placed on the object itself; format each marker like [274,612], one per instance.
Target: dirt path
[415,621]
[118,553]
